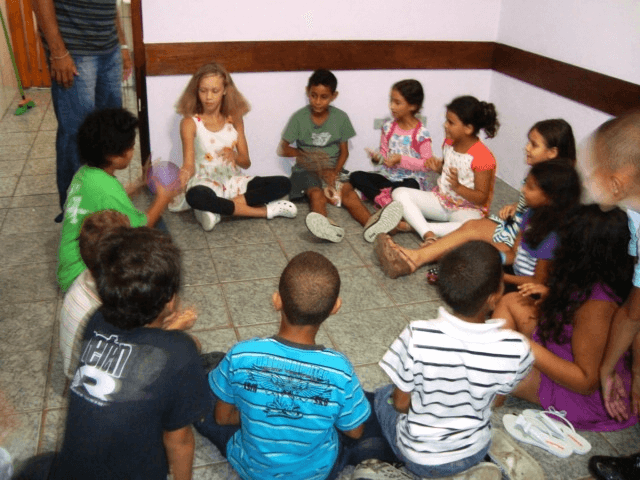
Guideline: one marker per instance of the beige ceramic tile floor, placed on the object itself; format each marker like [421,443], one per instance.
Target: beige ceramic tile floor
[229,275]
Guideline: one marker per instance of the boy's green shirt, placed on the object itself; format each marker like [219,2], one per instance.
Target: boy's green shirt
[91,190]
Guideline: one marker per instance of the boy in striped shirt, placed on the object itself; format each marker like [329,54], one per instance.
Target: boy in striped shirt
[280,401]
[446,372]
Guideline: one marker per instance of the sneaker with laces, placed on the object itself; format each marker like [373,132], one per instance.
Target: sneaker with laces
[321,227]
[208,220]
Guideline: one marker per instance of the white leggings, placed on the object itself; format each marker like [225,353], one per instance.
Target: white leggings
[418,204]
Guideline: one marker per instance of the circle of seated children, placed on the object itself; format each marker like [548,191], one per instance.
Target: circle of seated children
[569,318]
[214,149]
[547,140]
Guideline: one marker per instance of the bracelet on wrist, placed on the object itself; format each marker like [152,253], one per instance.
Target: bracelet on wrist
[61,56]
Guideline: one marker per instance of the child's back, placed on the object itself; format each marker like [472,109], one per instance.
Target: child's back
[448,371]
[291,399]
[288,394]
[138,388]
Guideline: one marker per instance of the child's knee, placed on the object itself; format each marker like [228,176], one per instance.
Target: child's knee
[401,194]
[316,194]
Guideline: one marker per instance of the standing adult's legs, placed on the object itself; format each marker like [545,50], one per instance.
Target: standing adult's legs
[71,106]
[109,82]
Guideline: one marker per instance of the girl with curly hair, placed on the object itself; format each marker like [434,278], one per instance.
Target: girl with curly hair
[569,323]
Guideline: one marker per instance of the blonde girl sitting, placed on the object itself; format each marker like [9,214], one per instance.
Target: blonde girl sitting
[214,149]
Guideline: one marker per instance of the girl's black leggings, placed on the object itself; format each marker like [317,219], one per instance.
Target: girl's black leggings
[370,183]
[260,191]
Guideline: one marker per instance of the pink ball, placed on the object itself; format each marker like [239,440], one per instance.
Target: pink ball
[166,174]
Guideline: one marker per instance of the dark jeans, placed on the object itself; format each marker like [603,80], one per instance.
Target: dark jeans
[260,191]
[370,183]
[97,86]
[372,444]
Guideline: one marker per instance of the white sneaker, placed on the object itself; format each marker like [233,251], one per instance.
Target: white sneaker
[208,220]
[383,221]
[281,208]
[322,227]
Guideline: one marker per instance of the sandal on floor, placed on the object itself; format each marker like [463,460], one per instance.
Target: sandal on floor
[281,208]
[430,240]
[559,427]
[525,431]
[394,262]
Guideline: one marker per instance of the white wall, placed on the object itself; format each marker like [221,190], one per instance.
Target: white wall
[240,20]
[601,35]
[275,96]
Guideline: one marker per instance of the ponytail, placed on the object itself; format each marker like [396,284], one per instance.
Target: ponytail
[481,115]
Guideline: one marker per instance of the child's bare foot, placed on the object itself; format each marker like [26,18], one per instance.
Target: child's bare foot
[403,226]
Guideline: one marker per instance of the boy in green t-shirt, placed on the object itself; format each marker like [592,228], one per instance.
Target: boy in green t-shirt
[320,133]
[105,140]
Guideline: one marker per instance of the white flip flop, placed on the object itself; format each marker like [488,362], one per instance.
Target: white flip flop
[558,426]
[523,430]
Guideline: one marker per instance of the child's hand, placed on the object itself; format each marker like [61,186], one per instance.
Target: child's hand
[613,395]
[452,177]
[376,157]
[434,163]
[314,161]
[329,176]
[530,289]
[229,155]
[182,320]
[392,160]
[507,212]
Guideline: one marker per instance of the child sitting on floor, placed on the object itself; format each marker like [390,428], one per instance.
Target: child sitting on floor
[285,406]
[215,151]
[138,387]
[446,372]
[82,300]
[405,146]
[106,140]
[321,133]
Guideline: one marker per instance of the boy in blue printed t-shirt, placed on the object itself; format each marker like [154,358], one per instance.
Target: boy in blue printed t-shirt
[285,406]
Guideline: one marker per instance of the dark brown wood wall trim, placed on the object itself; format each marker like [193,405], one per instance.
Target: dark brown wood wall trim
[602,92]
[587,87]
[286,56]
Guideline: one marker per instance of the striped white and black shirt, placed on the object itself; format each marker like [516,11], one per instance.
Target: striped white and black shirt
[453,369]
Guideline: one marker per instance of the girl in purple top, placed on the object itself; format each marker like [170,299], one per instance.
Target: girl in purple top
[590,277]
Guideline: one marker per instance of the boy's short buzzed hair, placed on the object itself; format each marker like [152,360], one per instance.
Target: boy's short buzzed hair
[137,274]
[468,275]
[618,142]
[94,226]
[323,77]
[106,133]
[309,288]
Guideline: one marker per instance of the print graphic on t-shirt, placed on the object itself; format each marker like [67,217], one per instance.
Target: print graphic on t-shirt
[102,363]
[289,383]
[320,139]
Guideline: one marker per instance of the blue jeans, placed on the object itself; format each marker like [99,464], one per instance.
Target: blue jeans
[372,444]
[97,86]
[388,418]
